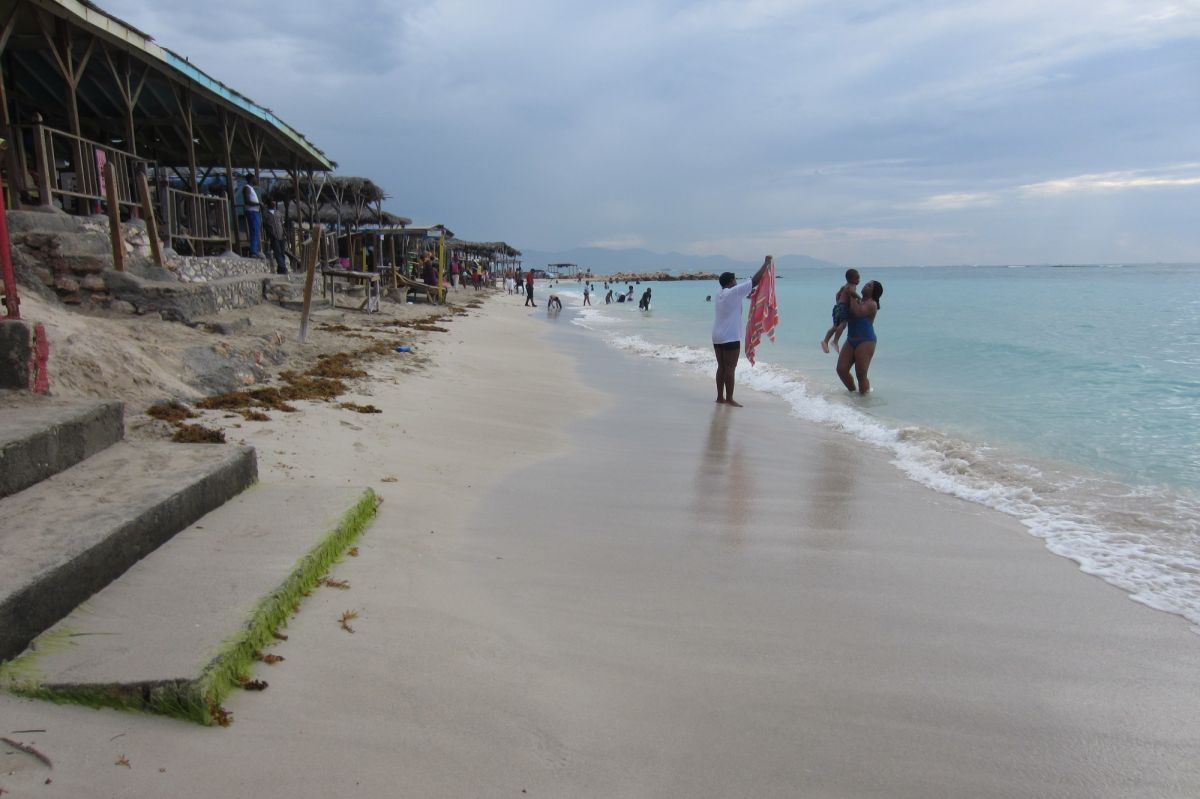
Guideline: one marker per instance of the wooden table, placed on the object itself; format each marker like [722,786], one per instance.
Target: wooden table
[370,280]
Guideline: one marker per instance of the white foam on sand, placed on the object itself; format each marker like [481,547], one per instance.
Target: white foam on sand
[1145,541]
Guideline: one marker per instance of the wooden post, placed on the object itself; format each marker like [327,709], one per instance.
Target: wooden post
[151,222]
[441,264]
[162,186]
[45,163]
[395,263]
[310,271]
[228,134]
[114,216]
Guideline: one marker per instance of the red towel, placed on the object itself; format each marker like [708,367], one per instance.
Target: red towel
[764,313]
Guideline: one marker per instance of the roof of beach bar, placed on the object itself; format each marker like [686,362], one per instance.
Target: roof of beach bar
[103,49]
[487,248]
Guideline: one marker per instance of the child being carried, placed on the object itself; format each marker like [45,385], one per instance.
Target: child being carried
[841,310]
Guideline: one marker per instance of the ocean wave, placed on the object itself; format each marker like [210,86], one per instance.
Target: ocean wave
[1144,540]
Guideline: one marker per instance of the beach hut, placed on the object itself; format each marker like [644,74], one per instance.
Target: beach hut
[346,205]
[492,256]
[416,239]
[562,270]
[91,104]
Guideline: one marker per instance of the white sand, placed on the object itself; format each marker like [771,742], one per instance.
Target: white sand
[572,593]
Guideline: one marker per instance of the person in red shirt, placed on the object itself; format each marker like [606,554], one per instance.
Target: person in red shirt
[529,289]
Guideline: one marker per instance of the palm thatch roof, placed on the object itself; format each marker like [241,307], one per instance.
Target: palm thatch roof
[336,200]
[349,217]
[489,249]
[328,189]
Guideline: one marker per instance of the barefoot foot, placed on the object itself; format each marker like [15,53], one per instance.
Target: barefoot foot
[734,403]
[825,347]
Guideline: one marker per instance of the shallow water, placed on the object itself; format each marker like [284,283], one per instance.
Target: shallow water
[1068,397]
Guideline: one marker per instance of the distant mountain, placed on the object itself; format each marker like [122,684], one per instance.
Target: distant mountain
[603,261]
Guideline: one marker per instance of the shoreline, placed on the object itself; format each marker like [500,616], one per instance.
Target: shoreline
[586,579]
[1137,534]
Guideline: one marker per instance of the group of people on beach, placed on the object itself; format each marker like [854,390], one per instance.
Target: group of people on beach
[852,312]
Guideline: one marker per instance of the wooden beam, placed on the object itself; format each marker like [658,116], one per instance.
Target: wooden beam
[310,273]
[7,29]
[151,222]
[45,164]
[114,216]
[229,126]
[122,75]
[183,99]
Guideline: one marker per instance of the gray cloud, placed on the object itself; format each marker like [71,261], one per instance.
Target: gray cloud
[865,132]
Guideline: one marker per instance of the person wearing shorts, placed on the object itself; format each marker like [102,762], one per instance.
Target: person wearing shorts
[727,328]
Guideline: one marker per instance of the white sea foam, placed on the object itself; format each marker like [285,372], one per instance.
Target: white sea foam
[1145,541]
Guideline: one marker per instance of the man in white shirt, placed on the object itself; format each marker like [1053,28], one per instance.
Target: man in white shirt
[727,328]
[253,215]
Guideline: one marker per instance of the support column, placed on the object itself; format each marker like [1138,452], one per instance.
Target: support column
[228,133]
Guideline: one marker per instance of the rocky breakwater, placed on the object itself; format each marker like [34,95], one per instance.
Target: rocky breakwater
[630,277]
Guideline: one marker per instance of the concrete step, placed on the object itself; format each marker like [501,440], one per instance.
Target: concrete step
[170,634]
[185,302]
[41,436]
[72,534]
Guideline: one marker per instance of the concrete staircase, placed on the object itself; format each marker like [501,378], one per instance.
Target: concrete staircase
[131,576]
[79,505]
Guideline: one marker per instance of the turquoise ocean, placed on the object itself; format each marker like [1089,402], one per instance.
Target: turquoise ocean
[1068,397]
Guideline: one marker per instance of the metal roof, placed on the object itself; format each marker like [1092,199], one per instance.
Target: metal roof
[40,87]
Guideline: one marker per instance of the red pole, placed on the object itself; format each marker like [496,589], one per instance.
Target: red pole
[11,302]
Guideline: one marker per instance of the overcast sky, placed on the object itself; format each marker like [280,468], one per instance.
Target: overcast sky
[866,132]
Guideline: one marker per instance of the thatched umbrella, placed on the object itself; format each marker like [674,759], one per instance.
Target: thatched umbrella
[336,191]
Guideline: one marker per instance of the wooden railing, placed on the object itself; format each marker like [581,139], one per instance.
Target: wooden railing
[82,182]
[194,221]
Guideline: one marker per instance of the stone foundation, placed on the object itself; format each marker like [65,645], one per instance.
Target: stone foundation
[197,269]
[69,258]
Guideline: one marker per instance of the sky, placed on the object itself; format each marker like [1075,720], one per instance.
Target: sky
[863,132]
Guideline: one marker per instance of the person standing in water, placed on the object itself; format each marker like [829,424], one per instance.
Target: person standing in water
[727,328]
[859,348]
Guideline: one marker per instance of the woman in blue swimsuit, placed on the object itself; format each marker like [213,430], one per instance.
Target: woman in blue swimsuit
[860,338]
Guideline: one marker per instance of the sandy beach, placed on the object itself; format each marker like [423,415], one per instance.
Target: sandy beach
[587,579]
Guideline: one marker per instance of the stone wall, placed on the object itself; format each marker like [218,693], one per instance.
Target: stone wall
[197,269]
[182,302]
[69,258]
[64,256]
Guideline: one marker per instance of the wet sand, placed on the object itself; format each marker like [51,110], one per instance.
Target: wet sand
[593,581]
